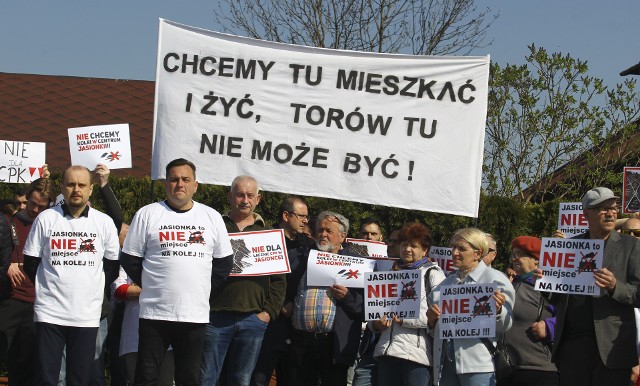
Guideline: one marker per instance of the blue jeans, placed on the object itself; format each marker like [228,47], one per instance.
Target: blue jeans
[397,371]
[450,378]
[365,372]
[240,336]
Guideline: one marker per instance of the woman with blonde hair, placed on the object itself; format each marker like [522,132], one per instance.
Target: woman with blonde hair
[468,361]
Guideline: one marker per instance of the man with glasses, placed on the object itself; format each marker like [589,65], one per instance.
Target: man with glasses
[631,227]
[594,341]
[493,251]
[293,218]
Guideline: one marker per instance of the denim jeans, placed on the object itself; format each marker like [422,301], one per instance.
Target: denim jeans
[238,335]
[450,378]
[365,372]
[397,371]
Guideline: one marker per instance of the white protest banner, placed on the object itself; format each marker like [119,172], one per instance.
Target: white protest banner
[104,144]
[442,256]
[326,269]
[631,190]
[393,293]
[467,311]
[375,249]
[21,162]
[568,264]
[259,253]
[571,219]
[384,129]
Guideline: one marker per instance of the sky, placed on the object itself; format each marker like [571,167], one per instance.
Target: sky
[118,39]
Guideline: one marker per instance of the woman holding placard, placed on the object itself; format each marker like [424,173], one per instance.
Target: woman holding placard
[404,349]
[468,361]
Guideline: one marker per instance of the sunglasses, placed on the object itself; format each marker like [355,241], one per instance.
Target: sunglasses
[631,232]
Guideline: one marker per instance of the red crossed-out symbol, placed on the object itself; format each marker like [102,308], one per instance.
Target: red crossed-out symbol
[482,306]
[353,274]
[587,264]
[114,156]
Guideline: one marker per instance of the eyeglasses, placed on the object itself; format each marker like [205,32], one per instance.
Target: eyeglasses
[520,255]
[605,209]
[631,232]
[300,216]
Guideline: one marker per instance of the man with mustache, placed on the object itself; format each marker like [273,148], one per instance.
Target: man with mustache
[326,320]
[242,306]
[594,340]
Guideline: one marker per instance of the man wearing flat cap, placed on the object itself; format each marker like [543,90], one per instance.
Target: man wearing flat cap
[594,340]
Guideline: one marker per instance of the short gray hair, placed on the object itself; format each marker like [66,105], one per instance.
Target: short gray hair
[342,221]
[242,178]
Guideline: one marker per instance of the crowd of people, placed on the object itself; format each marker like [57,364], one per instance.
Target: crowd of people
[158,292]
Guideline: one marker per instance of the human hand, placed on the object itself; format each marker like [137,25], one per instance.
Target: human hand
[45,171]
[287,310]
[381,324]
[15,275]
[559,234]
[339,291]
[500,299]
[264,316]
[433,315]
[538,330]
[605,279]
[102,174]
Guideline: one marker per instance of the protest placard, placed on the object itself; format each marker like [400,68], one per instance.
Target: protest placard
[571,219]
[442,257]
[362,123]
[393,293]
[631,190]
[568,264]
[375,249]
[21,162]
[467,311]
[104,144]
[326,269]
[259,253]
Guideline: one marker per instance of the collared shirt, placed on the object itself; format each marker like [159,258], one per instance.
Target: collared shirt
[315,308]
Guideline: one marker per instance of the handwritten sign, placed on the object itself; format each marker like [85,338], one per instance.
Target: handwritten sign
[106,144]
[467,311]
[21,162]
[393,293]
[568,264]
[259,253]
[326,269]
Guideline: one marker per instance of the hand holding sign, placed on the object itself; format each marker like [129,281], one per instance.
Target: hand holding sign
[339,291]
[102,174]
[433,315]
[605,279]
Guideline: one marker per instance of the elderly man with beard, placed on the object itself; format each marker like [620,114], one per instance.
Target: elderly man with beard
[326,320]
[594,340]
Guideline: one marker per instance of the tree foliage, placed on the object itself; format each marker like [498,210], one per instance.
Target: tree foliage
[544,114]
[425,27]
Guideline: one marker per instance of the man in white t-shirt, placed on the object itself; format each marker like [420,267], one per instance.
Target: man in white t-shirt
[170,251]
[69,250]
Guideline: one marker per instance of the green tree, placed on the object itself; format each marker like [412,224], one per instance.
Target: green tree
[545,113]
